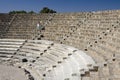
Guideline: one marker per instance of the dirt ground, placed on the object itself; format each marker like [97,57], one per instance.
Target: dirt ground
[11,73]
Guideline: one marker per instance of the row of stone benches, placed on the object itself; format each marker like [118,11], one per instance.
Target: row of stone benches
[46,60]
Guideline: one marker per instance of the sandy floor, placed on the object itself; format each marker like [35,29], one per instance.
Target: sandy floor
[11,73]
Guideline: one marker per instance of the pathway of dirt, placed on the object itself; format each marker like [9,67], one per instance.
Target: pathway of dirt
[11,73]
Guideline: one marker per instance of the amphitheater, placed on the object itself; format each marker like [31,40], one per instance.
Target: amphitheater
[70,46]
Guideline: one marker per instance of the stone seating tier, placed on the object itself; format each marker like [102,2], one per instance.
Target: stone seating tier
[95,33]
[46,60]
